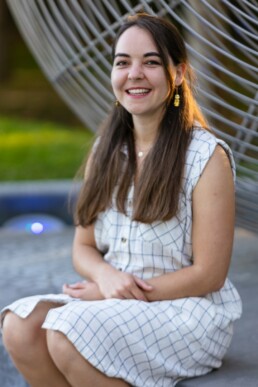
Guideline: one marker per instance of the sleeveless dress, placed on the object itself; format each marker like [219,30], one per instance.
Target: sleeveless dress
[150,344]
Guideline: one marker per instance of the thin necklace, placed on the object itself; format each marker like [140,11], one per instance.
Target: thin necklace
[140,154]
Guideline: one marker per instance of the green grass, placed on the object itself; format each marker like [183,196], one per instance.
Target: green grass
[41,151]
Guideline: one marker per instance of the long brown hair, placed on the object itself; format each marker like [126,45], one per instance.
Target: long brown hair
[113,162]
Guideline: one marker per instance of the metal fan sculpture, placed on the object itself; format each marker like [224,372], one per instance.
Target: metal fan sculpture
[71,40]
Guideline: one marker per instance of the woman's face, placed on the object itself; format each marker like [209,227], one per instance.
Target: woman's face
[138,77]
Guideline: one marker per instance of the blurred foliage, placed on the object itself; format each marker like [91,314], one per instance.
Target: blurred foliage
[32,150]
[25,92]
[40,137]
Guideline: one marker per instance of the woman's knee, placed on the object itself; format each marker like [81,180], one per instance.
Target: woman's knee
[16,333]
[20,333]
[59,349]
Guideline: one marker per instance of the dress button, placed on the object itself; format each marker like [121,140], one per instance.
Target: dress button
[123,240]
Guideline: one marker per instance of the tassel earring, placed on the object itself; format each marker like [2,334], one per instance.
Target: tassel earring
[177,98]
[117,103]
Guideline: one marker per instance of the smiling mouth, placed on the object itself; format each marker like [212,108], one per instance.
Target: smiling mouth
[140,91]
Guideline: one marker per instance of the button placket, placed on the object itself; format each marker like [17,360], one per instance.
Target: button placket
[125,242]
[126,230]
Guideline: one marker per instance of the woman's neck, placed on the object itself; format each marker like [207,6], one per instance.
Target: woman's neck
[145,133]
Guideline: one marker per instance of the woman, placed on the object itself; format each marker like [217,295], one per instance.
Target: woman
[155,224]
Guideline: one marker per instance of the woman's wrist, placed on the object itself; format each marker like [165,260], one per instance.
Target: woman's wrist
[102,271]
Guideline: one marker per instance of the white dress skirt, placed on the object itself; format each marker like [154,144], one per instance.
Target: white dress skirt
[150,344]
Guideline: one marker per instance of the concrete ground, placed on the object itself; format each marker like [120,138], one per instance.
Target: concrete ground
[31,264]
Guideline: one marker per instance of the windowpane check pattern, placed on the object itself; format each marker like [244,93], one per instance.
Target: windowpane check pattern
[154,344]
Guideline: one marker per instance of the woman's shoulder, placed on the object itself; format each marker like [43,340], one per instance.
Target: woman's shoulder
[201,148]
[204,142]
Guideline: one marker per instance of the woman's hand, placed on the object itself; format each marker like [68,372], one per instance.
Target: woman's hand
[88,291]
[113,283]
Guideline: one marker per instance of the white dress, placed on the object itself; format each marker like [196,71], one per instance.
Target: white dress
[153,344]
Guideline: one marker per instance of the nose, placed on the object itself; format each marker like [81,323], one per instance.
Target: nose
[135,73]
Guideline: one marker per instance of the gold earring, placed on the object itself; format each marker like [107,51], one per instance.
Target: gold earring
[177,98]
[117,103]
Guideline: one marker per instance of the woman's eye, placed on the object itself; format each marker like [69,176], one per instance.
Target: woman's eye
[121,63]
[153,63]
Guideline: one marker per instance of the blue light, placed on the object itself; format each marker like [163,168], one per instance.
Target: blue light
[35,224]
[37,228]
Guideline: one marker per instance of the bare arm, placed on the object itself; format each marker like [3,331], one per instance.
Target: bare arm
[87,259]
[212,236]
[111,283]
[104,280]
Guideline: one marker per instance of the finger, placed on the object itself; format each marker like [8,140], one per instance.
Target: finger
[77,285]
[73,293]
[139,295]
[131,290]
[64,288]
[121,294]
[143,284]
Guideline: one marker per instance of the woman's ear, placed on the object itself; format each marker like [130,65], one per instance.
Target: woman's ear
[180,73]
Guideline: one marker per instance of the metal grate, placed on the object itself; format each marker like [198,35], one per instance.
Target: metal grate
[71,40]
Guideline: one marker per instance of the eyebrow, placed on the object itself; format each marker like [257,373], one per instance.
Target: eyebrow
[145,55]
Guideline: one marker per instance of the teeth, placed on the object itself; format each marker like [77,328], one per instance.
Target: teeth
[138,91]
